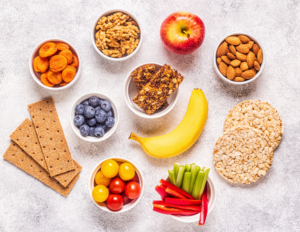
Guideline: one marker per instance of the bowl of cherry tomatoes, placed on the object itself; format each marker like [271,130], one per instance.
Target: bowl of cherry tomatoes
[116,185]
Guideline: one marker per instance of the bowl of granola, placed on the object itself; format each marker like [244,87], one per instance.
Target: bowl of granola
[116,35]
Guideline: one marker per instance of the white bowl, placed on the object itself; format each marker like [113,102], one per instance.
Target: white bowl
[106,135]
[211,196]
[140,37]
[126,207]
[36,75]
[215,64]
[130,91]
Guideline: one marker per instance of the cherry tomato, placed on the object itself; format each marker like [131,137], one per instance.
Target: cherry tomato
[110,168]
[100,193]
[132,190]
[117,185]
[126,200]
[126,171]
[135,178]
[101,180]
[115,202]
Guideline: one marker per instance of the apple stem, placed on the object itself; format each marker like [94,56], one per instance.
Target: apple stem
[184,31]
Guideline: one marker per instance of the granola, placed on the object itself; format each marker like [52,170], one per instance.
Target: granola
[156,92]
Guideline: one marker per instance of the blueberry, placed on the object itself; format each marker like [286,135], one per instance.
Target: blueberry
[84,130]
[78,120]
[97,109]
[100,116]
[91,122]
[91,131]
[82,125]
[79,109]
[89,112]
[105,105]
[102,125]
[110,122]
[100,101]
[109,114]
[94,101]
[99,132]
[85,102]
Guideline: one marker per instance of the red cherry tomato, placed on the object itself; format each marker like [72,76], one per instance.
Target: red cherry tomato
[126,200]
[114,202]
[135,178]
[133,190]
[117,185]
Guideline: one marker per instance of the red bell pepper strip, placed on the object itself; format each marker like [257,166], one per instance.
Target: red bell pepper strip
[179,190]
[164,187]
[204,207]
[175,194]
[182,201]
[164,210]
[161,192]
[186,207]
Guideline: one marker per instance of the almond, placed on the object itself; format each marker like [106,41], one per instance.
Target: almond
[223,49]
[256,65]
[233,40]
[238,79]
[244,39]
[248,74]
[235,63]
[259,56]
[250,44]
[252,69]
[225,59]
[241,57]
[244,66]
[219,60]
[232,49]
[255,49]
[230,55]
[230,73]
[238,72]
[243,48]
[223,68]
[250,59]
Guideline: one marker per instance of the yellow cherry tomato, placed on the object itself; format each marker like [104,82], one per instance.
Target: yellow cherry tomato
[100,193]
[100,179]
[126,171]
[110,168]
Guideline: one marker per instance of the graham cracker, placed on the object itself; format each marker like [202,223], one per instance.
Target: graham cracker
[18,157]
[51,137]
[27,139]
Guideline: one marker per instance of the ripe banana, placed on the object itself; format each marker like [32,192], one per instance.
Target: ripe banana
[183,136]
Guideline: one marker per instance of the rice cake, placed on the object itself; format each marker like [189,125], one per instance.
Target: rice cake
[243,155]
[259,115]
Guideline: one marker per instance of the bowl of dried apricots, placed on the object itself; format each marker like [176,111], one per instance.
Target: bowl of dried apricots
[54,64]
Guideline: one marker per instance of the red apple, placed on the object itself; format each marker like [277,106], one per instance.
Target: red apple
[182,32]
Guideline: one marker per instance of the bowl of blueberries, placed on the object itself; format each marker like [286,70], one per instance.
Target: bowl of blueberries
[94,117]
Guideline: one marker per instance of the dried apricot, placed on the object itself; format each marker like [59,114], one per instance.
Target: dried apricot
[58,63]
[54,77]
[75,62]
[62,46]
[42,64]
[63,83]
[45,81]
[35,64]
[68,54]
[68,74]
[47,49]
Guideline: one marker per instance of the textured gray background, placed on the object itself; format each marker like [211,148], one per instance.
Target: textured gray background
[271,204]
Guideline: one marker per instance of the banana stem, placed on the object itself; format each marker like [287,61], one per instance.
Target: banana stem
[135,137]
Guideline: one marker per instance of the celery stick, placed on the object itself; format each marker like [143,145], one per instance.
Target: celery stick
[186,181]
[175,169]
[188,167]
[194,170]
[206,171]
[198,185]
[172,176]
[179,178]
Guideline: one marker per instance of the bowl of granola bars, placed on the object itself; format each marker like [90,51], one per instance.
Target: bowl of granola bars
[151,89]
[116,35]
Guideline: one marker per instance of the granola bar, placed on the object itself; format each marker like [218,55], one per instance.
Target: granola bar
[156,92]
[142,75]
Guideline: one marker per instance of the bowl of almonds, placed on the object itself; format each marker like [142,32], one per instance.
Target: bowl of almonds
[239,59]
[116,35]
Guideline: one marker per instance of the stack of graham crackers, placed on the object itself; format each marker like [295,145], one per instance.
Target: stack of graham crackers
[39,147]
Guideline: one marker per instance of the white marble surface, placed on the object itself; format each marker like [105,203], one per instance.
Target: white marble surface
[271,204]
